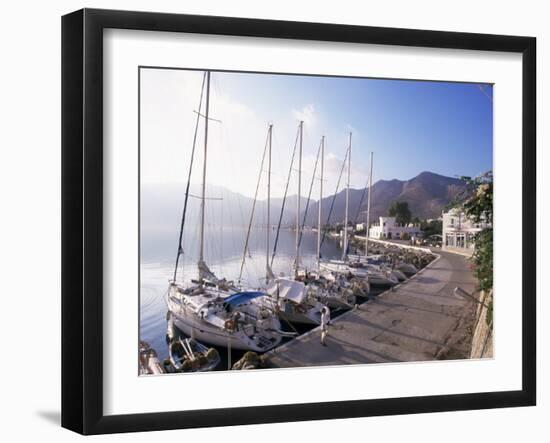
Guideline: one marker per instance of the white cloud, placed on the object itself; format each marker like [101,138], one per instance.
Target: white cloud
[235,146]
[307,114]
[333,164]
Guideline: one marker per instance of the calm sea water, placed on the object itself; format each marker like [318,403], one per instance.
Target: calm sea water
[223,253]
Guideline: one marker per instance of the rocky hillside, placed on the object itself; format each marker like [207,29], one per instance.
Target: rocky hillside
[427,195]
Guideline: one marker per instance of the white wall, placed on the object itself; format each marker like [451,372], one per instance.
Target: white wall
[30,223]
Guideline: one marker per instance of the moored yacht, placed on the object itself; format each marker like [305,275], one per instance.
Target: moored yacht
[210,309]
[290,299]
[215,316]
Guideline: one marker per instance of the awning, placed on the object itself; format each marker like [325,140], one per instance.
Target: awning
[291,290]
[242,297]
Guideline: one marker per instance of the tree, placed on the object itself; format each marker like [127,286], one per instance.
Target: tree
[401,212]
[433,227]
[477,203]
[476,200]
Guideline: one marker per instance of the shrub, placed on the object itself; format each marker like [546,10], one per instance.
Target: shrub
[483,258]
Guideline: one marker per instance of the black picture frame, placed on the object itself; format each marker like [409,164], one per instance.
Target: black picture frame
[82,219]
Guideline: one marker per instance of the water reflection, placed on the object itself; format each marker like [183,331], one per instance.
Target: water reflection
[223,253]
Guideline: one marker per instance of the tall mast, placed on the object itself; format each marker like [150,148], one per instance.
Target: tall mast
[268,230]
[290,169]
[246,242]
[203,193]
[368,208]
[320,205]
[297,264]
[345,250]
[335,194]
[184,212]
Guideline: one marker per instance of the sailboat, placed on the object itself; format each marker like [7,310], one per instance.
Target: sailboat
[292,300]
[328,288]
[358,267]
[381,273]
[210,309]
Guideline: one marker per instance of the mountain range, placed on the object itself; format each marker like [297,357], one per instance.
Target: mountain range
[427,194]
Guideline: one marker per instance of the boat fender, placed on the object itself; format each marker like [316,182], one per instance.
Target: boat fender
[212,354]
[229,325]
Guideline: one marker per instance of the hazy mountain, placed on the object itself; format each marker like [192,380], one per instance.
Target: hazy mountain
[161,205]
[427,195]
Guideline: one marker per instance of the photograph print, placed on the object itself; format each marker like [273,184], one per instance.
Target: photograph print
[293,221]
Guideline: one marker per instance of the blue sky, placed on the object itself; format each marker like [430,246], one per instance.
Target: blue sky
[437,126]
[411,126]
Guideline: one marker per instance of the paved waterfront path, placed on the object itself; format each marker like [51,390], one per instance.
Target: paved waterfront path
[420,319]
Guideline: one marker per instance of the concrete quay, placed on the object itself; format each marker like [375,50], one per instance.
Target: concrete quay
[419,320]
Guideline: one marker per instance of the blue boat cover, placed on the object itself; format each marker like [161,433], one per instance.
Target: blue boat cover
[242,297]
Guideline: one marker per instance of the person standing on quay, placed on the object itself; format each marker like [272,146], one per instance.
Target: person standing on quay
[325,321]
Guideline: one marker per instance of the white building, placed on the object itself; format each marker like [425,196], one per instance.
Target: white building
[459,231]
[388,229]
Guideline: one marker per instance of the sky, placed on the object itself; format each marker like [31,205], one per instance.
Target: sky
[410,126]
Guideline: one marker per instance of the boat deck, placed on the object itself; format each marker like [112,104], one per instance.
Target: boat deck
[418,320]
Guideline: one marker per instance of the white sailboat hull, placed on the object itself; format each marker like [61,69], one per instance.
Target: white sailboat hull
[338,267]
[258,336]
[399,275]
[407,269]
[336,302]
[381,280]
[306,318]
[374,277]
[204,332]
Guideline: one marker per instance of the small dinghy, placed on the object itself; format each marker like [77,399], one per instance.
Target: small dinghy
[188,355]
[149,363]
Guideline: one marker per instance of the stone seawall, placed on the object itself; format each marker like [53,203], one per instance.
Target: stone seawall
[482,340]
